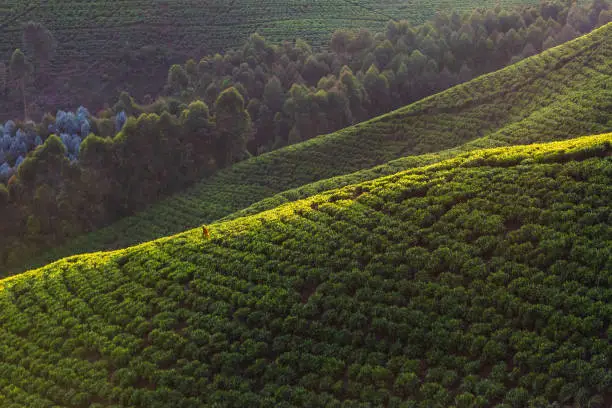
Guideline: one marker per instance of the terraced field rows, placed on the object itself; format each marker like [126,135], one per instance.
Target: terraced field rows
[508,106]
[104,45]
[218,24]
[437,285]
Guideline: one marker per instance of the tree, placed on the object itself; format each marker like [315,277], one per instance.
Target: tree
[337,110]
[20,69]
[38,42]
[549,43]
[517,397]
[377,88]
[99,163]
[191,68]
[233,125]
[257,48]
[198,131]
[528,51]
[126,104]
[465,73]
[416,62]
[40,180]
[340,41]
[362,41]
[354,92]
[273,94]
[2,78]
[535,35]
[4,196]
[177,79]
[605,16]
[303,48]
[577,18]
[314,70]
[302,109]
[384,53]
[566,34]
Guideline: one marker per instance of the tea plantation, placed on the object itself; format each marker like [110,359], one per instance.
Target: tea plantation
[479,281]
[104,26]
[454,253]
[102,44]
[562,93]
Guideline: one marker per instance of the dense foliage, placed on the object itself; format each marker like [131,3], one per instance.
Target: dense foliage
[52,195]
[105,47]
[480,282]
[558,94]
[71,127]
[262,97]
[294,93]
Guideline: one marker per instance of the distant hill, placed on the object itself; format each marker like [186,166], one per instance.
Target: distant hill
[212,25]
[104,46]
[556,95]
[480,281]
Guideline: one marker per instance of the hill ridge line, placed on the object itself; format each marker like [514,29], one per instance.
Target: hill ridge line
[468,159]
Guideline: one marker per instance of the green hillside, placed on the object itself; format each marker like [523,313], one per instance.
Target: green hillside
[104,46]
[475,282]
[214,25]
[559,94]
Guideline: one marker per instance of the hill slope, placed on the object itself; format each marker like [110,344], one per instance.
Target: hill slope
[466,283]
[213,25]
[104,44]
[558,94]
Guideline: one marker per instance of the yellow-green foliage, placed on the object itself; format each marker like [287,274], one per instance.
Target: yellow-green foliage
[558,94]
[481,279]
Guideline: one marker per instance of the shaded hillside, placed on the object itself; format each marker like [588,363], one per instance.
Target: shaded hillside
[473,282]
[104,45]
[502,107]
[200,124]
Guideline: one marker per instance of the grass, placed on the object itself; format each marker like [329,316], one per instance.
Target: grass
[479,280]
[555,95]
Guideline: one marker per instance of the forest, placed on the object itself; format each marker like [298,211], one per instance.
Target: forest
[104,47]
[72,173]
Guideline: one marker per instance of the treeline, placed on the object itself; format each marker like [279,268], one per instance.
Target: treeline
[294,93]
[51,197]
[262,96]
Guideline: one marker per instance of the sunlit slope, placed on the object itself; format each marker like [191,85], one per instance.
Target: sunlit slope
[470,282]
[563,88]
[581,110]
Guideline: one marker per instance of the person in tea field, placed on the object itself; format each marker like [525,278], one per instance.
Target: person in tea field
[205,232]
